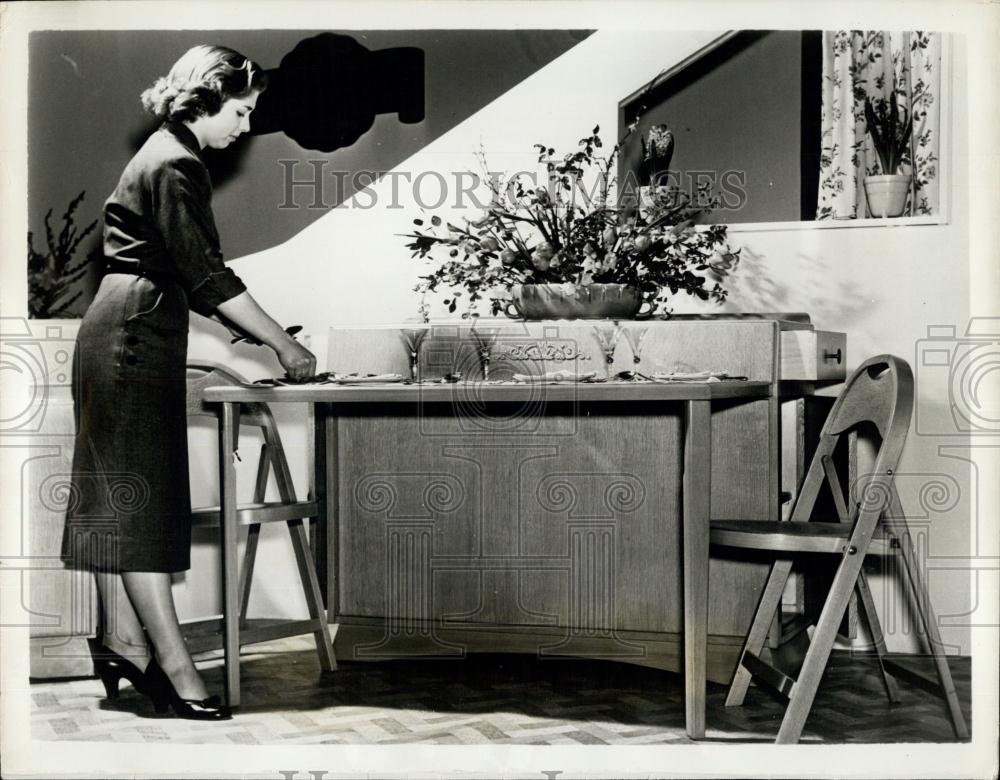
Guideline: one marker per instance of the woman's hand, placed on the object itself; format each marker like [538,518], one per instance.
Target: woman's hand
[298,362]
[246,313]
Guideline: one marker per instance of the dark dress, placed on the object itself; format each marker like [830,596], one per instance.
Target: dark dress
[130,502]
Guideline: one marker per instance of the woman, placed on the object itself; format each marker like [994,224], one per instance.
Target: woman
[130,516]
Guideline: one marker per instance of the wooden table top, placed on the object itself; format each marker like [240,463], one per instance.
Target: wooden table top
[437,392]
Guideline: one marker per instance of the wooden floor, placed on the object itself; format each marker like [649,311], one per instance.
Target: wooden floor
[487,699]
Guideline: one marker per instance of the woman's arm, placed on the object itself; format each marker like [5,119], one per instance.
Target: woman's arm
[243,310]
[181,191]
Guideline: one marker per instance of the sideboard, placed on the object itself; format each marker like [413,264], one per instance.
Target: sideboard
[552,527]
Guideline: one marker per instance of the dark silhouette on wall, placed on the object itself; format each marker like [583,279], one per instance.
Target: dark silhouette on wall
[326,92]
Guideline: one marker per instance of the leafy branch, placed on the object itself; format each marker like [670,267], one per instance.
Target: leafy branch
[563,233]
[53,274]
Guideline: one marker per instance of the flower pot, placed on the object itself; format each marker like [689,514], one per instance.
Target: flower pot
[576,302]
[887,194]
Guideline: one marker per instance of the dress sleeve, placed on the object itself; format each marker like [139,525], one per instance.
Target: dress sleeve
[182,211]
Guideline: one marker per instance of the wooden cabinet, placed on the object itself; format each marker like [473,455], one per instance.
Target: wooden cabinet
[545,527]
[62,602]
[36,433]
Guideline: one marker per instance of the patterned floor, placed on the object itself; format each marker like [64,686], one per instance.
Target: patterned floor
[486,699]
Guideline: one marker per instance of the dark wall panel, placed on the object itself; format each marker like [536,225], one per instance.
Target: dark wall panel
[85,120]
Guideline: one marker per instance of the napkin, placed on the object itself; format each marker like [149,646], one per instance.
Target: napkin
[555,376]
[697,376]
[357,379]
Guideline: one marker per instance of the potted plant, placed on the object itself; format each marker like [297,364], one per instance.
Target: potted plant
[887,191]
[654,169]
[555,252]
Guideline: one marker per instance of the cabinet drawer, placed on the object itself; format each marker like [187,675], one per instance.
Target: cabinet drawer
[813,355]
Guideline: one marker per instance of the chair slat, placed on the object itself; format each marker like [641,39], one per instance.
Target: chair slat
[763,671]
[780,535]
[266,512]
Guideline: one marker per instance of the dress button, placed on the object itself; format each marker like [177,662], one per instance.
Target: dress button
[131,360]
[132,340]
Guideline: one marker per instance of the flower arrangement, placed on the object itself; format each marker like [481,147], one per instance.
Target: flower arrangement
[564,234]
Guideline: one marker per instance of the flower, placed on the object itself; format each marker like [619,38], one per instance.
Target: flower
[535,236]
[541,259]
[661,142]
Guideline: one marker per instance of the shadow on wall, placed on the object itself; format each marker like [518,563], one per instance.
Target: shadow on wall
[324,95]
[802,283]
[326,92]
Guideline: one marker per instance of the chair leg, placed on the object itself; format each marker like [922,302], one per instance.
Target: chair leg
[927,626]
[769,601]
[867,604]
[230,563]
[804,691]
[246,571]
[314,598]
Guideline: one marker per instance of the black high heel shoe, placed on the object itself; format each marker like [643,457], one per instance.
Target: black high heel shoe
[164,695]
[111,668]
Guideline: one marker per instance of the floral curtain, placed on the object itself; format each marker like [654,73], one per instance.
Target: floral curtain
[865,63]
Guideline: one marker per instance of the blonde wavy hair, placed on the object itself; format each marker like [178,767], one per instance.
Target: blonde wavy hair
[202,80]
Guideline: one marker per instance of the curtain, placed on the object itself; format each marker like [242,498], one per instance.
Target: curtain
[865,63]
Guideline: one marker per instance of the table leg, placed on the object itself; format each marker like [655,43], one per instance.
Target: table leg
[318,493]
[696,490]
[329,507]
[230,561]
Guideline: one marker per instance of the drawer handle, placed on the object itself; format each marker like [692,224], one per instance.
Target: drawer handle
[835,356]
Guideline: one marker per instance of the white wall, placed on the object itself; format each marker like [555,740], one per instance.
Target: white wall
[883,286]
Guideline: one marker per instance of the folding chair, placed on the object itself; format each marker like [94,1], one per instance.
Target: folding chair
[208,634]
[879,394]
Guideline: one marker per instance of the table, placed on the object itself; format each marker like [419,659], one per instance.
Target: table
[694,399]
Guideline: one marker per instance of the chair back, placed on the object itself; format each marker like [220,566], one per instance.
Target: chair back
[879,392]
[205,374]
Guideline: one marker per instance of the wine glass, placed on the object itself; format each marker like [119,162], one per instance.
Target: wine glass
[485,338]
[635,337]
[607,337]
[413,337]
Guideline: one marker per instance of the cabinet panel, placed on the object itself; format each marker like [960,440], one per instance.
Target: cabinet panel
[580,529]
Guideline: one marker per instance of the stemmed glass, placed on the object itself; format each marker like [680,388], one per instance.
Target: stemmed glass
[485,338]
[635,337]
[607,337]
[413,337]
